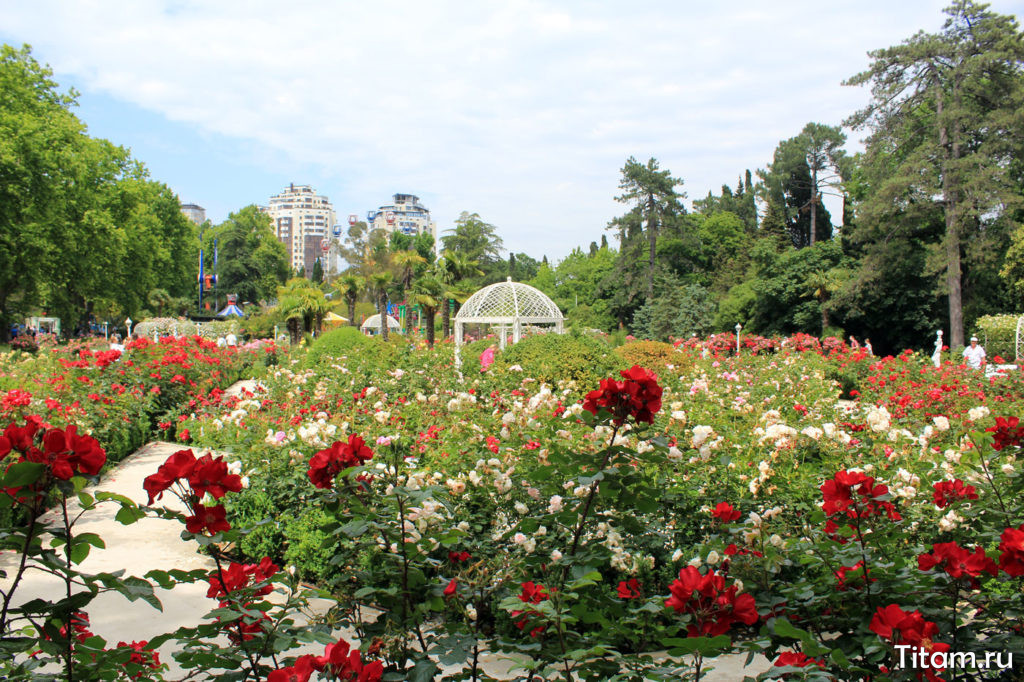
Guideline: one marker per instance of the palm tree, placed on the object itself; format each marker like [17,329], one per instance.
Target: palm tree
[428,292]
[159,298]
[821,284]
[405,262]
[350,285]
[303,305]
[452,268]
[379,282]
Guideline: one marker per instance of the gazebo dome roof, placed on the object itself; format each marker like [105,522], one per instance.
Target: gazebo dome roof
[373,322]
[508,301]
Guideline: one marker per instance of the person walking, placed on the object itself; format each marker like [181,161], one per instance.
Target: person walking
[974,354]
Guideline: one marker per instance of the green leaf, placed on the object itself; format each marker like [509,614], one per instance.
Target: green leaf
[129,515]
[708,646]
[424,671]
[23,473]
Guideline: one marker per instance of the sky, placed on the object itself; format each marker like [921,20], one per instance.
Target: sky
[522,111]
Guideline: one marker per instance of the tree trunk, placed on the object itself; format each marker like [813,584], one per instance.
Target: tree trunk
[814,203]
[383,306]
[446,318]
[951,206]
[293,330]
[5,322]
[430,313]
[652,243]
[408,320]
[352,313]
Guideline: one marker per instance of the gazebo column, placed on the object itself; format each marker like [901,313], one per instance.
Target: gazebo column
[517,331]
[458,343]
[502,333]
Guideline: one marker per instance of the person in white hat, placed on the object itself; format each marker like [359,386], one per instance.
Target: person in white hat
[974,354]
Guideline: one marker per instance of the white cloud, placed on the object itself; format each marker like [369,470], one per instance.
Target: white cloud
[523,111]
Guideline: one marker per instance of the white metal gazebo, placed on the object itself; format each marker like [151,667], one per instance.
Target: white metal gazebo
[507,305]
[372,324]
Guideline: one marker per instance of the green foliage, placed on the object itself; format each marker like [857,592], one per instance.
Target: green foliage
[998,334]
[656,204]
[251,261]
[575,287]
[553,358]
[336,343]
[83,230]
[737,306]
[310,547]
[803,168]
[477,241]
[945,135]
[679,312]
[783,305]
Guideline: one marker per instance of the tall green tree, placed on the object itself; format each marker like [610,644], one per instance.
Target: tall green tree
[652,192]
[946,118]
[252,263]
[803,169]
[477,241]
[38,137]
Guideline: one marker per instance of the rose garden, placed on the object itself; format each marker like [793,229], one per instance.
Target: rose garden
[578,510]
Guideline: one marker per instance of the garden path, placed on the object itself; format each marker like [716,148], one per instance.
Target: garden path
[154,543]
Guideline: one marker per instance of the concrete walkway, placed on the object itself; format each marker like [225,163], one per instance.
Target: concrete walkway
[154,543]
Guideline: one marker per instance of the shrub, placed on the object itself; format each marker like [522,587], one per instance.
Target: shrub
[310,547]
[336,343]
[998,334]
[553,358]
[653,355]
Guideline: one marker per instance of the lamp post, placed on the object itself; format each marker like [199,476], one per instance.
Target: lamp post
[738,328]
[128,324]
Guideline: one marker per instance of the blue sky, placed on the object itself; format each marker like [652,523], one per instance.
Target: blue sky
[522,111]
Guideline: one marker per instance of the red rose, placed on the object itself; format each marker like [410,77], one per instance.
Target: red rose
[715,608]
[210,475]
[1008,431]
[839,496]
[328,463]
[797,659]
[1012,547]
[300,672]
[630,589]
[725,512]
[957,561]
[947,492]
[207,518]
[637,396]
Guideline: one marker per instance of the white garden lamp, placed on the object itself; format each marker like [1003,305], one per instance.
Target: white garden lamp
[738,328]
[128,323]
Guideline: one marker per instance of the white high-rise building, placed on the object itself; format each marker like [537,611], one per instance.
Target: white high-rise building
[406,215]
[302,220]
[194,212]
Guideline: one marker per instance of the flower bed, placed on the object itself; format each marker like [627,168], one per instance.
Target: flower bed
[732,502]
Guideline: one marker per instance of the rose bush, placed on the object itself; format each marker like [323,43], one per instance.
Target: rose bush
[733,502]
